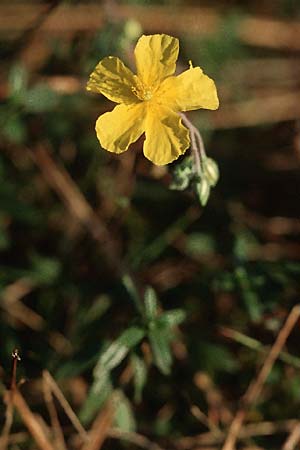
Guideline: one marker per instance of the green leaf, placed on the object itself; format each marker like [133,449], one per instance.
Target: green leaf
[17,80]
[97,309]
[132,30]
[100,391]
[182,175]
[160,346]
[172,318]
[139,376]
[124,417]
[150,303]
[245,244]
[4,239]
[46,270]
[40,99]
[200,244]
[118,349]
[133,292]
[249,295]
[215,358]
[14,129]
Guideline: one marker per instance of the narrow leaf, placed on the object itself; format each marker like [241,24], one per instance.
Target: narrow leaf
[150,303]
[172,318]
[118,349]
[139,376]
[98,394]
[160,346]
[124,417]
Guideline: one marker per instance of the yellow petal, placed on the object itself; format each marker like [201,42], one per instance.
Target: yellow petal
[166,137]
[117,129]
[189,90]
[114,80]
[156,57]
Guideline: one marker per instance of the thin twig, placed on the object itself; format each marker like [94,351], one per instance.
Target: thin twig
[293,439]
[256,385]
[253,30]
[60,180]
[134,438]
[266,109]
[31,422]
[257,346]
[218,410]
[100,428]
[16,291]
[16,400]
[11,303]
[248,431]
[55,425]
[4,439]
[65,405]
[204,419]
[28,33]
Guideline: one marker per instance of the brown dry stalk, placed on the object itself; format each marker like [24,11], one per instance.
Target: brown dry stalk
[293,439]
[257,346]
[257,31]
[247,431]
[256,385]
[65,405]
[55,425]
[10,302]
[17,290]
[18,312]
[61,182]
[100,427]
[9,414]
[31,422]
[134,438]
[271,108]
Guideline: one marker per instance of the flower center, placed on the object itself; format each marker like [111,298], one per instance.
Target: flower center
[142,92]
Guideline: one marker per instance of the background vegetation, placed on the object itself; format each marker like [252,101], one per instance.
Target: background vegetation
[152,314]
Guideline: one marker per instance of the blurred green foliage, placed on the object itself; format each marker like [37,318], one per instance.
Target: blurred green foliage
[194,270]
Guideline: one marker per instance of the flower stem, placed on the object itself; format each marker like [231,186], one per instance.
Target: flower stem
[197,144]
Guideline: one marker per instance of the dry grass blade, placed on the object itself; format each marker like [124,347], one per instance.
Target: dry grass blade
[255,30]
[134,438]
[100,427]
[16,291]
[256,385]
[257,346]
[61,182]
[55,425]
[65,405]
[18,438]
[293,439]
[4,439]
[248,113]
[17,312]
[11,303]
[31,422]
[246,432]
[9,414]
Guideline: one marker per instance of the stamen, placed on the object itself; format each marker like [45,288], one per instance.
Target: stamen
[142,92]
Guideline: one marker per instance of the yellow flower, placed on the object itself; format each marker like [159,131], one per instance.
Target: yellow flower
[150,101]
